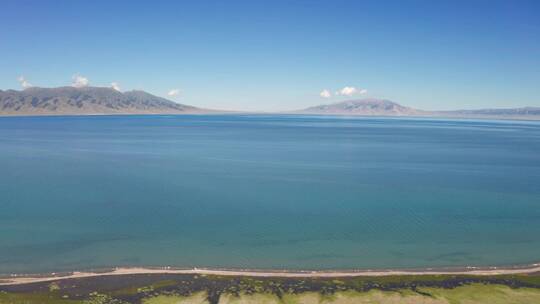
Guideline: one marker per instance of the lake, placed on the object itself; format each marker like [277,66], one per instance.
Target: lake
[267,192]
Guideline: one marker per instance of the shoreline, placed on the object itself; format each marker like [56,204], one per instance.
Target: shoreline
[531,119]
[19,279]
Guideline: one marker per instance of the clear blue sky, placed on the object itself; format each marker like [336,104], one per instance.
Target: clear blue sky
[273,55]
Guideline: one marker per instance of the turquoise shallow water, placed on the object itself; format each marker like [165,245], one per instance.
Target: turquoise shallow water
[293,192]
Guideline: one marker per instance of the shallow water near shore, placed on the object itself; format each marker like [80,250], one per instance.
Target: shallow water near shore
[266,192]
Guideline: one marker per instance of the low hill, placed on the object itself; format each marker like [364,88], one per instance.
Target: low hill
[526,112]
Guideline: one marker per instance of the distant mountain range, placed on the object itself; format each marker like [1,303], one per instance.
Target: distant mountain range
[526,111]
[368,107]
[86,101]
[382,107]
[101,100]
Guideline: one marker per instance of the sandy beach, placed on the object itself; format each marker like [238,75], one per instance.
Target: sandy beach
[16,279]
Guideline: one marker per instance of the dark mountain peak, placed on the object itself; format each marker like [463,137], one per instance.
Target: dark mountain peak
[141,94]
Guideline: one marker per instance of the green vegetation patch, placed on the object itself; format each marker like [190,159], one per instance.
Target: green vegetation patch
[481,293]
[197,298]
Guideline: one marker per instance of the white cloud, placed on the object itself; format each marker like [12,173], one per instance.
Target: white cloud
[350,91]
[173,92]
[24,83]
[115,86]
[325,94]
[80,81]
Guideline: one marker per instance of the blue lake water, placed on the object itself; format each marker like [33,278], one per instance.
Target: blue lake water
[282,192]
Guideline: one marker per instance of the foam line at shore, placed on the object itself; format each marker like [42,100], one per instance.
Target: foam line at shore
[15,279]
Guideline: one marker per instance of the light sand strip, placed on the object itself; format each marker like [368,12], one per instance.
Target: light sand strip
[21,279]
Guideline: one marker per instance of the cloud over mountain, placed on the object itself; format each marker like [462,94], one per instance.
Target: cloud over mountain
[24,83]
[80,81]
